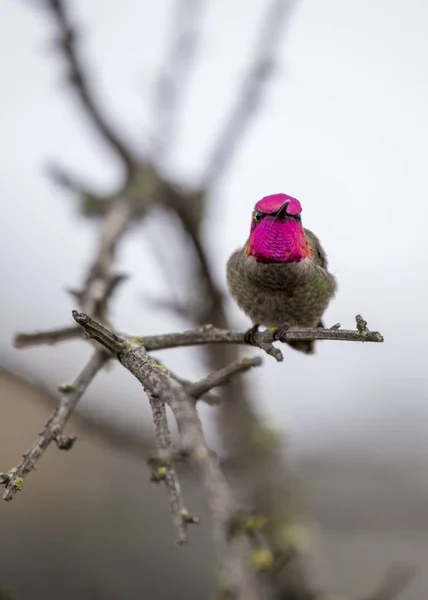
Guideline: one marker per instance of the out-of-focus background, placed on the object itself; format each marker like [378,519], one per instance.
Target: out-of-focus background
[342,126]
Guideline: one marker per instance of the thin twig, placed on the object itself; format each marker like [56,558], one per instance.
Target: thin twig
[48,337]
[157,382]
[99,279]
[180,515]
[199,388]
[80,81]
[278,12]
[53,429]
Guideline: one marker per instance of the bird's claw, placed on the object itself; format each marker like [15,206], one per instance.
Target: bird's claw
[249,337]
[280,334]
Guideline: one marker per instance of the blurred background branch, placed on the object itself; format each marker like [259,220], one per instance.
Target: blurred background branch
[183,36]
[260,71]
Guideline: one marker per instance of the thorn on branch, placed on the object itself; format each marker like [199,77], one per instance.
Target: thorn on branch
[65,442]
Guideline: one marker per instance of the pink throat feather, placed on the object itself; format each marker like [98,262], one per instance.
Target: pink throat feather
[278,240]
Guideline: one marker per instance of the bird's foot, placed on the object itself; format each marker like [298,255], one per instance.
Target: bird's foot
[249,337]
[280,334]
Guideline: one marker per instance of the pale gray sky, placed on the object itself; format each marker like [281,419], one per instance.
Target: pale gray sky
[344,128]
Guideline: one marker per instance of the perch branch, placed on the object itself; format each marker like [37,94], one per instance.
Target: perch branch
[157,382]
[208,334]
[79,79]
[53,429]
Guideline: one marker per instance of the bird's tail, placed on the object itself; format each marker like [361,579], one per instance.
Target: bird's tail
[305,346]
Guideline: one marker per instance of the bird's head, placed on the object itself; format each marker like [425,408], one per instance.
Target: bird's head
[277,234]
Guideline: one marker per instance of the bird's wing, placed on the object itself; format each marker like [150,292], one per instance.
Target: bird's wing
[318,253]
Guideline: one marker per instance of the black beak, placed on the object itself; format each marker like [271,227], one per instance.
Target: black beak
[282,212]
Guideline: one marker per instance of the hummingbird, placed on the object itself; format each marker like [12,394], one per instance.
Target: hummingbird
[280,277]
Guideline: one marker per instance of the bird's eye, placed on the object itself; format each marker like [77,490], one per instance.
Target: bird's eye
[258,216]
[298,218]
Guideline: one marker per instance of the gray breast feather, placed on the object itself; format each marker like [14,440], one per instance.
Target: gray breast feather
[273,294]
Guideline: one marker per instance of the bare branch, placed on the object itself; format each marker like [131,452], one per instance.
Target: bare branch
[208,334]
[180,515]
[199,388]
[157,382]
[108,433]
[101,281]
[52,431]
[171,83]
[49,337]
[278,12]
[208,397]
[79,79]
[109,339]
